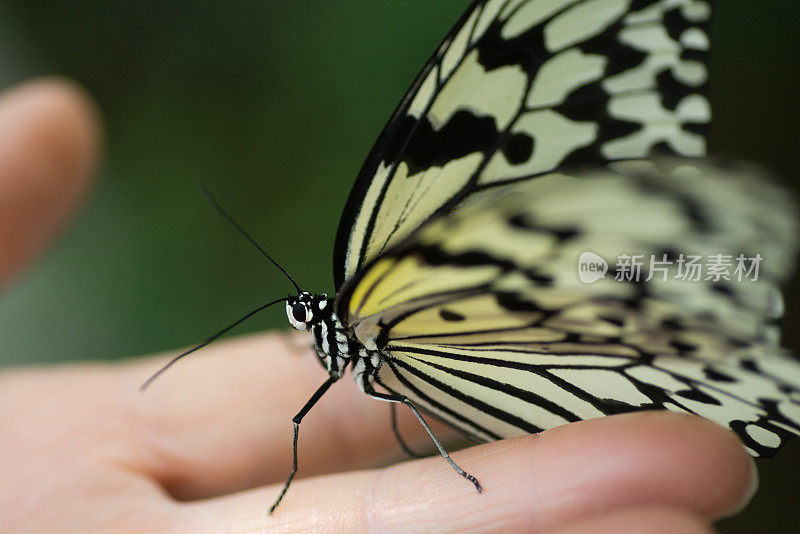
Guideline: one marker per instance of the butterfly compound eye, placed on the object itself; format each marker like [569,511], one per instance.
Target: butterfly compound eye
[299,312]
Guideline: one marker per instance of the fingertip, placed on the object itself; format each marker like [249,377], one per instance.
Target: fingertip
[61,119]
[654,456]
[714,455]
[580,470]
[49,149]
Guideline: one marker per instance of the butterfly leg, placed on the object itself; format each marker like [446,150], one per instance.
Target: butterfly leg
[400,439]
[405,400]
[296,427]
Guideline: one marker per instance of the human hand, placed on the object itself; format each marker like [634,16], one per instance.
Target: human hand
[208,446]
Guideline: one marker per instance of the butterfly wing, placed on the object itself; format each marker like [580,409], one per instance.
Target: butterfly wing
[519,88]
[482,318]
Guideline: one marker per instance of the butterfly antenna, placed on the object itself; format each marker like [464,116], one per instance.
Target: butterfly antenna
[241,230]
[204,343]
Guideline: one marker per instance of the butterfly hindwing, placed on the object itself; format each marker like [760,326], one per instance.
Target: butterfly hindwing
[519,88]
[482,320]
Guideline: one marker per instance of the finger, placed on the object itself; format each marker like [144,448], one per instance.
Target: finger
[48,149]
[644,520]
[220,421]
[563,476]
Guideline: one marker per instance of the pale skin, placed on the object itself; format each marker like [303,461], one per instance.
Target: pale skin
[207,447]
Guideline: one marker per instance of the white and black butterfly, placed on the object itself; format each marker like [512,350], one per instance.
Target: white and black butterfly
[539,130]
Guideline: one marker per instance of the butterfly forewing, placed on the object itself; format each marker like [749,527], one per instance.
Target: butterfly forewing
[519,88]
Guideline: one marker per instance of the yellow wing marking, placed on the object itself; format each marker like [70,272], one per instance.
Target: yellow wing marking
[410,280]
[362,289]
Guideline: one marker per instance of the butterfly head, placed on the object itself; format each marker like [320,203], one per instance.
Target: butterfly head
[305,309]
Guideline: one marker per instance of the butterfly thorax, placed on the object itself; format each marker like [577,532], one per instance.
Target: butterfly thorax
[334,346]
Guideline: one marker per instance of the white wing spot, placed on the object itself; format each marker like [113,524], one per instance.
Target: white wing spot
[761,435]
[659,124]
[604,385]
[496,93]
[488,14]
[532,13]
[695,38]
[696,11]
[582,22]
[563,73]
[662,53]
[555,137]
[458,46]
[655,377]
[425,93]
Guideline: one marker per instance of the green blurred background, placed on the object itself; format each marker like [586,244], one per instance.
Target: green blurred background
[273,105]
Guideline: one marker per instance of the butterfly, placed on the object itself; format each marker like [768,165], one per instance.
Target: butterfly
[541,133]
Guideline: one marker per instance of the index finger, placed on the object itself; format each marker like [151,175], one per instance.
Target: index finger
[220,420]
[563,476]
